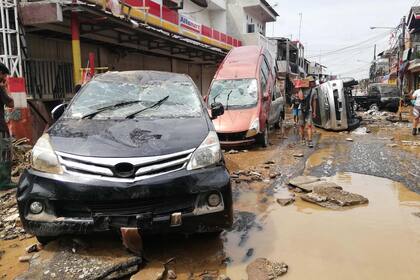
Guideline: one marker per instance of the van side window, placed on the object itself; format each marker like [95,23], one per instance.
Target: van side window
[263,81]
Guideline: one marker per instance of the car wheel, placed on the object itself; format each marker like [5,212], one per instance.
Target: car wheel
[262,138]
[44,240]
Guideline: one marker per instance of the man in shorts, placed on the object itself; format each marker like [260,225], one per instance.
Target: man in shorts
[295,106]
[415,96]
[5,146]
[306,112]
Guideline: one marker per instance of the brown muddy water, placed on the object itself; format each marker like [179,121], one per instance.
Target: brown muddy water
[377,241]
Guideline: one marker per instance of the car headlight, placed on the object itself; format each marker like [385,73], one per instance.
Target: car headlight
[254,128]
[44,158]
[208,153]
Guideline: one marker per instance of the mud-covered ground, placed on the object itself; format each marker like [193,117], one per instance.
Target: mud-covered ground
[378,240]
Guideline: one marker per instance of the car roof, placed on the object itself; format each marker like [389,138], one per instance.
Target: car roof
[142,76]
[240,63]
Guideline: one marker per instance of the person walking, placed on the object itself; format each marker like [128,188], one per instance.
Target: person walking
[5,143]
[415,96]
[295,106]
[307,112]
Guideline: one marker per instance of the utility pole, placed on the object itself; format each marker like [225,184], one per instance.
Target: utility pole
[374,52]
[300,25]
[400,76]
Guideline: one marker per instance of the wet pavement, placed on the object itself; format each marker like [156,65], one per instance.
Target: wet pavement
[378,240]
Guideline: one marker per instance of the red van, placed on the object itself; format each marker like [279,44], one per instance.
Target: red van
[245,85]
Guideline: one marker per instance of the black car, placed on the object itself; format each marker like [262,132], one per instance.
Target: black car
[133,149]
[380,97]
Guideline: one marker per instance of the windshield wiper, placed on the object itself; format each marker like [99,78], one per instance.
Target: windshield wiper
[227,99]
[157,104]
[114,106]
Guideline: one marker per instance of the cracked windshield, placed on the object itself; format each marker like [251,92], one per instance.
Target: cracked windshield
[210,140]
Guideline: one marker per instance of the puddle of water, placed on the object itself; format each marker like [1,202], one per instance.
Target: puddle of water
[9,264]
[378,241]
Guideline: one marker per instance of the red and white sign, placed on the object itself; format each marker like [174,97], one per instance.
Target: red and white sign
[189,24]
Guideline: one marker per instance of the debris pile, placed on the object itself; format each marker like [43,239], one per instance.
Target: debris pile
[21,154]
[324,193]
[263,269]
[10,225]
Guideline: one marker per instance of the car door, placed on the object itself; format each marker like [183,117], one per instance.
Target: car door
[266,89]
[275,109]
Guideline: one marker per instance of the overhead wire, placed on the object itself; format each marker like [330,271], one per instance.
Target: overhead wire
[369,40]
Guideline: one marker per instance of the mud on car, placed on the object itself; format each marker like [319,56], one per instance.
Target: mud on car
[132,149]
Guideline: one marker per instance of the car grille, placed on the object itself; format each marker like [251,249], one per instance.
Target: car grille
[134,169]
[226,137]
[156,206]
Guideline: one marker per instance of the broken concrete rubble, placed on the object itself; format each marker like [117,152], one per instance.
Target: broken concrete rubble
[309,187]
[301,180]
[263,269]
[334,198]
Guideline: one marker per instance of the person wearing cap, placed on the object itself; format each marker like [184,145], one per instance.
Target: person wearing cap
[5,151]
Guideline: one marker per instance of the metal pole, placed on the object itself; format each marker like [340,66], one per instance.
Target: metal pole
[75,42]
[374,52]
[19,57]
[300,24]
[4,30]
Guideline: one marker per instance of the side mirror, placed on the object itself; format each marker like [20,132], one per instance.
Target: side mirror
[217,110]
[58,111]
[266,96]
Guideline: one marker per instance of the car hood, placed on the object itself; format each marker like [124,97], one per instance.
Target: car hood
[127,138]
[235,120]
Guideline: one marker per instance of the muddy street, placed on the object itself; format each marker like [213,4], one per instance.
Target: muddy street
[375,240]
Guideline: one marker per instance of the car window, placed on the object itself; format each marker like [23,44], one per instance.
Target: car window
[239,93]
[183,99]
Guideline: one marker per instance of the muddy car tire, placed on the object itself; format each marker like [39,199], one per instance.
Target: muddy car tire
[44,240]
[262,138]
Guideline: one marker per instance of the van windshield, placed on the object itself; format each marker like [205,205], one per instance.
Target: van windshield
[234,94]
[103,98]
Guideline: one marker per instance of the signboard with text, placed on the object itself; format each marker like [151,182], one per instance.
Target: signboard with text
[189,24]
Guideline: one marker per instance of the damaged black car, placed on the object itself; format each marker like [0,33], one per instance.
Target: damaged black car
[132,149]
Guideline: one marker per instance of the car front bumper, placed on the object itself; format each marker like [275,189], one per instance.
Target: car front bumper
[81,205]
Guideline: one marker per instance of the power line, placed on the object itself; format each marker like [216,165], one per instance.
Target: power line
[369,40]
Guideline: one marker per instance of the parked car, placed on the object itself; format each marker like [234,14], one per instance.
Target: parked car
[334,105]
[132,149]
[379,97]
[245,85]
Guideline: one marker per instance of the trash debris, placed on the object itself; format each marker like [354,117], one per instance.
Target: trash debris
[410,143]
[392,145]
[269,162]
[263,269]
[231,152]
[34,248]
[361,131]
[349,139]
[285,201]
[132,240]
[10,225]
[21,154]
[333,198]
[274,175]
[298,155]
[25,258]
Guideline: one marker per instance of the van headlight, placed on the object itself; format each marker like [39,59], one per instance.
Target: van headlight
[254,128]
[44,158]
[208,153]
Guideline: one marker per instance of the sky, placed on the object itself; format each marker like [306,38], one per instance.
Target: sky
[329,25]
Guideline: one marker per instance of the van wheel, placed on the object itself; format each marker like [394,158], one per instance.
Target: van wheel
[44,240]
[262,138]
